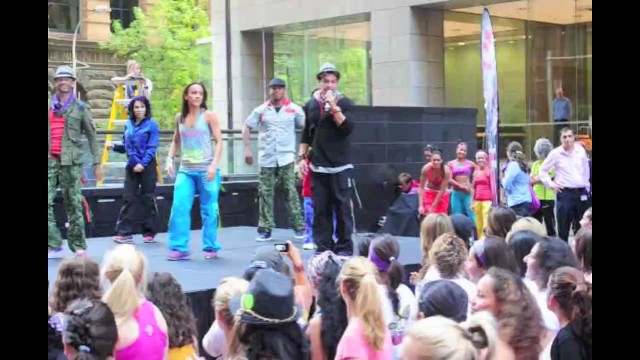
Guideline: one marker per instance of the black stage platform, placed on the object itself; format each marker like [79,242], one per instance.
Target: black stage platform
[199,277]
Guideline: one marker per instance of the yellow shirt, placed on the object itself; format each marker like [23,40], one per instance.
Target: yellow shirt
[182,353]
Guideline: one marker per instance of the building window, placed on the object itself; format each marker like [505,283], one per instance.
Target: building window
[122,10]
[63,15]
[298,54]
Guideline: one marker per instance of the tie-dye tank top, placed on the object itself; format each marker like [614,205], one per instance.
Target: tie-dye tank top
[195,145]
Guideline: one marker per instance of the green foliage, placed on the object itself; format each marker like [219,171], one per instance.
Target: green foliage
[165,43]
[297,59]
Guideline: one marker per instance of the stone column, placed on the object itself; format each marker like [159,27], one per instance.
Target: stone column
[247,73]
[407,57]
[95,26]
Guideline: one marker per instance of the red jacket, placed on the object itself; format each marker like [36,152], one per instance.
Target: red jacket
[306,182]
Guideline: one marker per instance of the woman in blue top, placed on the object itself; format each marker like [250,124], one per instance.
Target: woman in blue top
[139,142]
[516,181]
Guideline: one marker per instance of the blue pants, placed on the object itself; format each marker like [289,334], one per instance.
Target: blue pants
[308,221]
[461,204]
[187,184]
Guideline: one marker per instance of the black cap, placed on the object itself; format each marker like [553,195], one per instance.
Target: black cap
[444,298]
[270,300]
[465,228]
[264,257]
[277,82]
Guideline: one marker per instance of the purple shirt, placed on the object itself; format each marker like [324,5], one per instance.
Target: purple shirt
[572,169]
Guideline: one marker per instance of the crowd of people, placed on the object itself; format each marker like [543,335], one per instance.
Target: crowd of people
[506,288]
[515,295]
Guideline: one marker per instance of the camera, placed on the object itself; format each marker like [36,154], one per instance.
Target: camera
[282,247]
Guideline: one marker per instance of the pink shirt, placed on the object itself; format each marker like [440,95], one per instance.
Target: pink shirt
[572,169]
[353,345]
[151,342]
[482,185]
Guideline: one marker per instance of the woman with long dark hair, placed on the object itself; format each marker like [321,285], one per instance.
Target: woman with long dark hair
[330,318]
[504,294]
[140,143]
[487,253]
[516,181]
[198,174]
[384,253]
[91,332]
[164,291]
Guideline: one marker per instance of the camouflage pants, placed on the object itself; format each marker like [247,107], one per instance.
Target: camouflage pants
[68,177]
[270,177]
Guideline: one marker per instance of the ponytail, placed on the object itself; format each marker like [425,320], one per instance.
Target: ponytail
[234,347]
[581,314]
[395,275]
[481,330]
[125,268]
[573,295]
[358,277]
[369,311]
[90,330]
[384,252]
[122,296]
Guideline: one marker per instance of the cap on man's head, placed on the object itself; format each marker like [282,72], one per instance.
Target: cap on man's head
[328,68]
[64,71]
[277,82]
[265,257]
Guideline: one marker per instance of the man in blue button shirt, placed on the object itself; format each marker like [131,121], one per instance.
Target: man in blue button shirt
[561,114]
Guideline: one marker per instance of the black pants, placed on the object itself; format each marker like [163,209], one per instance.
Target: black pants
[546,213]
[332,192]
[139,187]
[570,206]
[523,209]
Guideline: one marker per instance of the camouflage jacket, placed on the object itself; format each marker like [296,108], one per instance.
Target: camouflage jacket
[77,121]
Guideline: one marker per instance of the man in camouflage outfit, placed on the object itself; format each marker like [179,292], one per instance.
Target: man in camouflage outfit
[276,120]
[69,119]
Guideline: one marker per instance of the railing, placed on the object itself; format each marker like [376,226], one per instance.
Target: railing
[231,163]
[233,166]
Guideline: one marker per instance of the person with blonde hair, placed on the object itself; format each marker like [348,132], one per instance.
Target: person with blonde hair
[366,336]
[134,75]
[526,223]
[547,196]
[431,228]
[440,338]
[482,193]
[142,330]
[216,341]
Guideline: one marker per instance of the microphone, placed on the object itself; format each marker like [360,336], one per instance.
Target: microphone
[327,106]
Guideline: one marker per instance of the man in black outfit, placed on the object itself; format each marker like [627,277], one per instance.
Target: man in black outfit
[327,131]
